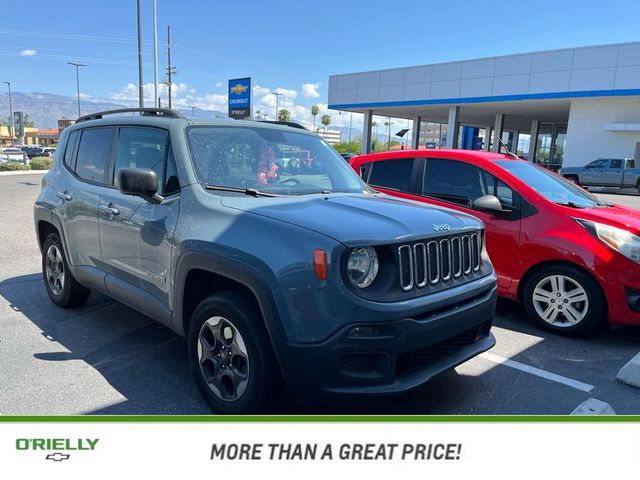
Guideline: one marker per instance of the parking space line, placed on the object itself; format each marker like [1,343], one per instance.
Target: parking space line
[538,372]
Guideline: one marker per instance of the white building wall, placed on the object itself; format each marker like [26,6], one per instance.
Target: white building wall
[602,128]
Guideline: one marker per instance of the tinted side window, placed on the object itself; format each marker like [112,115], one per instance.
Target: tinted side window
[616,163]
[453,181]
[601,163]
[395,174]
[365,168]
[93,153]
[71,145]
[631,163]
[172,184]
[499,189]
[141,148]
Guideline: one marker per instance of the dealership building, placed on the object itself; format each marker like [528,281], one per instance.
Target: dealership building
[558,107]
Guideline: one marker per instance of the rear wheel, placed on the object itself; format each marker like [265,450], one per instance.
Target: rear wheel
[573,179]
[564,300]
[63,289]
[231,355]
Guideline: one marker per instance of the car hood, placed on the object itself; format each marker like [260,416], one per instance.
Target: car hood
[358,219]
[616,216]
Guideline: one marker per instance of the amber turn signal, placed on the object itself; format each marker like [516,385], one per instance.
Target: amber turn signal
[320,263]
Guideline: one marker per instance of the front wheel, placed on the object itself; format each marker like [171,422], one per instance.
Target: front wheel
[564,300]
[231,355]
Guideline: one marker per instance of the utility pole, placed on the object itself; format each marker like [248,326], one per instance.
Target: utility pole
[277,98]
[77,65]
[350,123]
[155,55]
[11,133]
[140,84]
[170,69]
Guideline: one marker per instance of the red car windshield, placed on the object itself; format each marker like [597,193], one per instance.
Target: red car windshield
[550,186]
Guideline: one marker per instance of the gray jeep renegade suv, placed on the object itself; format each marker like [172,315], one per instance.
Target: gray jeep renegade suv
[261,246]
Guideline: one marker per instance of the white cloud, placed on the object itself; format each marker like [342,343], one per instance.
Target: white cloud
[28,52]
[182,96]
[310,90]
[218,84]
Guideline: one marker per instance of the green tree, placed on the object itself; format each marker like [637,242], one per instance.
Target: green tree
[314,111]
[28,123]
[259,115]
[284,115]
[326,121]
[348,147]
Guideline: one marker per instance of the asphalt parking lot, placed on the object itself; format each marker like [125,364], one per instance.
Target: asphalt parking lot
[105,358]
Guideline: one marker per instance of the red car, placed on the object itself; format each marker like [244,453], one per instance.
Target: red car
[572,259]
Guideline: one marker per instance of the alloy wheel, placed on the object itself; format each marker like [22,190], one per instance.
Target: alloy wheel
[560,301]
[223,358]
[54,269]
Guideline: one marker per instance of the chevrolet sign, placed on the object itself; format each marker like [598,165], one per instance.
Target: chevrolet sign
[239,98]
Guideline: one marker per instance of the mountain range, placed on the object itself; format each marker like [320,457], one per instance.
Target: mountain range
[45,109]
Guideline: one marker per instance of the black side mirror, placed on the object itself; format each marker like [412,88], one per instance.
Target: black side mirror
[487,203]
[140,182]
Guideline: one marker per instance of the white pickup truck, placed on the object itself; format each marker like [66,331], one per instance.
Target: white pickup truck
[13,155]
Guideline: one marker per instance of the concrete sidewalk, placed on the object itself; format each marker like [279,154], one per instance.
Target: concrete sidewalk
[24,172]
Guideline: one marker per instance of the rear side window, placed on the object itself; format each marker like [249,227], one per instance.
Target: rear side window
[394,174]
[71,145]
[93,154]
[616,163]
[141,148]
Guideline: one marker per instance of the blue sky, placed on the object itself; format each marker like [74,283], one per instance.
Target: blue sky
[288,45]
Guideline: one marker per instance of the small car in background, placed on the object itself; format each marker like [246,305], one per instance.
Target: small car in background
[569,257]
[33,151]
[13,155]
[48,151]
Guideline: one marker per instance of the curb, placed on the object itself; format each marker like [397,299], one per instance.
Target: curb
[630,373]
[593,406]
[23,172]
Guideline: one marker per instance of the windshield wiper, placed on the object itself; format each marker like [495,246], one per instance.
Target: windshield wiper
[570,204]
[252,192]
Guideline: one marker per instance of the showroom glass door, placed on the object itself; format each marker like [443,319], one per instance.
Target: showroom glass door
[550,145]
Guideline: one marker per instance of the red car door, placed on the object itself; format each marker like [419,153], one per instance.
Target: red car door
[456,184]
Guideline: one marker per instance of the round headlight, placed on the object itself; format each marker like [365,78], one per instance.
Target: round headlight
[362,266]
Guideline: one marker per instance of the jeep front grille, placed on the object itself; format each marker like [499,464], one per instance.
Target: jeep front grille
[436,261]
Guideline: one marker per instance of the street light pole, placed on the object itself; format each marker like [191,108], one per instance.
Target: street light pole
[140,85]
[11,133]
[155,56]
[350,123]
[277,98]
[77,65]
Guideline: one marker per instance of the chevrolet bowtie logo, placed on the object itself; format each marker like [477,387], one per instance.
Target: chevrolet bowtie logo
[238,89]
[58,457]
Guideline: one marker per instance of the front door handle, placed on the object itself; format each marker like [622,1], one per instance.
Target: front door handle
[109,209]
[64,196]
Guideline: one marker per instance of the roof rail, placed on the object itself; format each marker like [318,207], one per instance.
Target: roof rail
[288,124]
[152,112]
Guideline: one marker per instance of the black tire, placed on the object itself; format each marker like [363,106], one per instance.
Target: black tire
[573,178]
[71,294]
[592,312]
[264,386]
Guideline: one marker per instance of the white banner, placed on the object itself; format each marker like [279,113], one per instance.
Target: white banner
[320,450]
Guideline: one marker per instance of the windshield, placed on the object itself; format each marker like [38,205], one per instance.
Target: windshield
[552,187]
[269,160]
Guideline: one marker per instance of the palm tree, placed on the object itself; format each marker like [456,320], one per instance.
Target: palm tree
[326,121]
[284,115]
[258,115]
[314,111]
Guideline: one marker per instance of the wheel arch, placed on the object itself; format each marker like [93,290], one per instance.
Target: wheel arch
[559,263]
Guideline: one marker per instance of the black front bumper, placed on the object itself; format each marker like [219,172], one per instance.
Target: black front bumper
[392,357]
